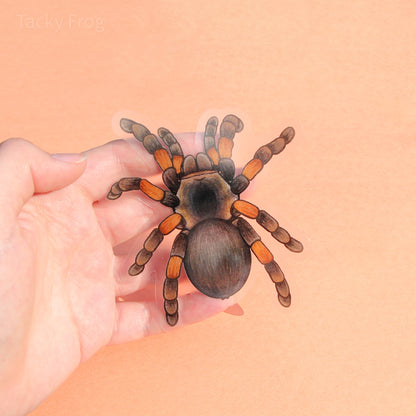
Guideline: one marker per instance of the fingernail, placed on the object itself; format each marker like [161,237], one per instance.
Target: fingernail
[70,157]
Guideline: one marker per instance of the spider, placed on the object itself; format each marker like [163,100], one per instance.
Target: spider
[215,242]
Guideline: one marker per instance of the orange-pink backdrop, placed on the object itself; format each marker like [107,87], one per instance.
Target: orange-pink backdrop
[343,74]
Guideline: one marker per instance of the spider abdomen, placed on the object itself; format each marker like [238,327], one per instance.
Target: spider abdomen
[217,259]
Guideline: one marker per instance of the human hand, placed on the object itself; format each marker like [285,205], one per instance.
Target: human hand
[64,255]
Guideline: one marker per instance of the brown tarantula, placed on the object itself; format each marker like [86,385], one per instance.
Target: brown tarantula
[215,242]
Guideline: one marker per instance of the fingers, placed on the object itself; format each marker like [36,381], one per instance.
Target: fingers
[152,275]
[150,280]
[25,170]
[122,219]
[142,314]
[135,320]
[126,217]
[120,158]
[111,162]
[126,284]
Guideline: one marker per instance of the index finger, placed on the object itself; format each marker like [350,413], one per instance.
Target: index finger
[112,161]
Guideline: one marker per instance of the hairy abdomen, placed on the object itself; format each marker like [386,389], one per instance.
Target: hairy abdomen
[217,259]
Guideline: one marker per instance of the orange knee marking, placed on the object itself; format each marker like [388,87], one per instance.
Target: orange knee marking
[252,168]
[246,208]
[170,223]
[225,147]
[262,252]
[177,162]
[163,159]
[173,269]
[151,190]
[213,154]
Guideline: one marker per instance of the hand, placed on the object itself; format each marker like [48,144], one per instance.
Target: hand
[64,255]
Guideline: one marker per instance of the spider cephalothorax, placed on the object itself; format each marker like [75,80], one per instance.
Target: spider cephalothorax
[215,242]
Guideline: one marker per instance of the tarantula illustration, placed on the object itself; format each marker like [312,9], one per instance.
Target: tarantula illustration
[214,243]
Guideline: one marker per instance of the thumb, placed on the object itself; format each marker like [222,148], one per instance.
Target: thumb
[26,170]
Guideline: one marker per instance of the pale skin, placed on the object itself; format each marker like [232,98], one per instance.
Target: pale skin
[61,278]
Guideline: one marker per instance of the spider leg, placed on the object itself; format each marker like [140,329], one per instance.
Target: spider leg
[152,242]
[152,191]
[268,223]
[221,156]
[174,148]
[230,125]
[265,257]
[173,271]
[261,157]
[168,164]
[209,139]
[171,174]
[189,165]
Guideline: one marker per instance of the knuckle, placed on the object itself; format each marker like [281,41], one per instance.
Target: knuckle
[118,147]
[14,144]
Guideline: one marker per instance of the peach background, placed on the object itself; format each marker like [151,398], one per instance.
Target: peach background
[344,75]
